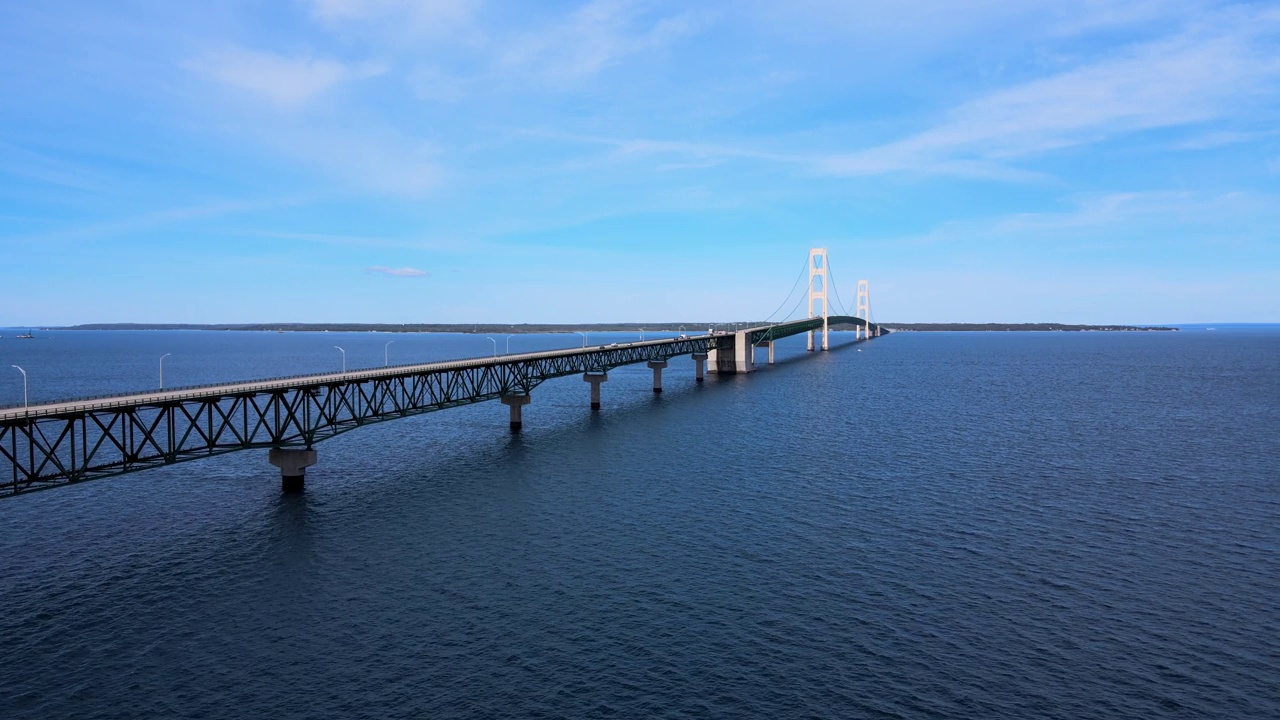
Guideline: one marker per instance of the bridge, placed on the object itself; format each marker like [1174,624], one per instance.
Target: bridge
[58,443]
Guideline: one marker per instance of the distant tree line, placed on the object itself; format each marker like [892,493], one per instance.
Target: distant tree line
[927,327]
[490,328]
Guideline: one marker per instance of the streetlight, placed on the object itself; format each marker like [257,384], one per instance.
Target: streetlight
[162,357]
[508,352]
[344,358]
[584,338]
[386,360]
[24,387]
[641,334]
[495,345]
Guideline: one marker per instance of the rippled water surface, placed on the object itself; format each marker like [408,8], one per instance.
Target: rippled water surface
[1058,525]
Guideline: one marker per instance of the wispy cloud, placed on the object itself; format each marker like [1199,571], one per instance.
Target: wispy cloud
[398,272]
[122,227]
[282,81]
[1101,221]
[431,17]
[450,245]
[593,37]
[1199,76]
[1219,138]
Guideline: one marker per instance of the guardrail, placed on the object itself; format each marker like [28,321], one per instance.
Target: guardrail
[192,392]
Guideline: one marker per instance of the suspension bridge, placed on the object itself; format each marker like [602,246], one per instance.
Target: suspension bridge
[57,443]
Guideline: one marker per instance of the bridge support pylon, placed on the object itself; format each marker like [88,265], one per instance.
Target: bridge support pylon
[293,466]
[818,291]
[744,353]
[863,310]
[516,403]
[595,379]
[699,365]
[768,344]
[733,354]
[657,366]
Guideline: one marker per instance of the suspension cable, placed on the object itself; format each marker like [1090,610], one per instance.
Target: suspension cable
[793,289]
[794,309]
[836,288]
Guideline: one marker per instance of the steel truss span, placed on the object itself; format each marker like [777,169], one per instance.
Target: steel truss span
[65,442]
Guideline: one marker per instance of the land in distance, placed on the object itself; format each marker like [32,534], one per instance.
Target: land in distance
[490,328]
[1008,327]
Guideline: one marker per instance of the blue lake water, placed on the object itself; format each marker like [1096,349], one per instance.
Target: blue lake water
[949,525]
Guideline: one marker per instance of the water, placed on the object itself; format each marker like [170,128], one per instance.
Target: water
[1061,525]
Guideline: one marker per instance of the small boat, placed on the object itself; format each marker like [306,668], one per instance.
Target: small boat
[28,336]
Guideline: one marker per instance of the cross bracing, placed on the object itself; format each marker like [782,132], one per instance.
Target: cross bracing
[57,443]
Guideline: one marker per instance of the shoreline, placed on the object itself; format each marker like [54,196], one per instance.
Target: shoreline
[529,328]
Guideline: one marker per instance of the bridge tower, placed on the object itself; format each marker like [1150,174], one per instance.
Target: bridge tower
[864,309]
[818,290]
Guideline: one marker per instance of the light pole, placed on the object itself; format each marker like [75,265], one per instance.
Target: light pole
[508,352]
[681,328]
[24,387]
[386,359]
[584,338]
[344,358]
[162,357]
[641,334]
[495,345]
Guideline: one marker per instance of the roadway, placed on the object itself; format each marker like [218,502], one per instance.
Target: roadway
[160,397]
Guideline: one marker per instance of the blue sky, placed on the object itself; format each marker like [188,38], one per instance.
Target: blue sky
[616,160]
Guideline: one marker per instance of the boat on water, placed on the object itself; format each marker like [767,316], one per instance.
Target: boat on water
[28,336]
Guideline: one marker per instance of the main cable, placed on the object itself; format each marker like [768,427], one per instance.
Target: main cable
[836,288]
[794,309]
[793,289]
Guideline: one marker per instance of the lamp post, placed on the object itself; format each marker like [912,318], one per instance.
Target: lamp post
[162,357]
[508,352]
[386,359]
[495,345]
[24,387]
[641,334]
[344,358]
[584,338]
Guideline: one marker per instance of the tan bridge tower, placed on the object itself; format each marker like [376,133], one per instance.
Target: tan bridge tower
[863,310]
[818,290]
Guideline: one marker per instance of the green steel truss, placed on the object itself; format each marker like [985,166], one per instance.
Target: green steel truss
[60,443]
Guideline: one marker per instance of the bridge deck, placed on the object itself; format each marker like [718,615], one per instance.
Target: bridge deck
[55,443]
[161,397]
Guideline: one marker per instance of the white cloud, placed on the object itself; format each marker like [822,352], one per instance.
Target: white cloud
[369,158]
[1099,223]
[397,18]
[283,81]
[125,226]
[595,36]
[1197,77]
[398,272]
[932,25]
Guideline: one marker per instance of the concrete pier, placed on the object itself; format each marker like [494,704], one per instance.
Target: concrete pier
[657,366]
[516,403]
[733,354]
[595,379]
[293,466]
[699,360]
[769,344]
[744,355]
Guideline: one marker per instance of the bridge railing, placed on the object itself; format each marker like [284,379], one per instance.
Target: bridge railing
[284,382]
